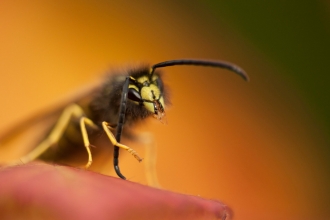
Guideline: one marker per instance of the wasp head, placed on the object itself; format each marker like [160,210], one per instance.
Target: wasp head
[147,91]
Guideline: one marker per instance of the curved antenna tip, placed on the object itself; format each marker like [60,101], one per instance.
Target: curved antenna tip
[209,63]
[241,72]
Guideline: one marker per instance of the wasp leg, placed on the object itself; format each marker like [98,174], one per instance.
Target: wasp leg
[56,133]
[106,128]
[83,122]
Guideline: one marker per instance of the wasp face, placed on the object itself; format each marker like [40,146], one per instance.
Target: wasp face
[147,92]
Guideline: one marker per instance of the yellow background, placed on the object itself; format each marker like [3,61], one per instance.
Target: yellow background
[246,144]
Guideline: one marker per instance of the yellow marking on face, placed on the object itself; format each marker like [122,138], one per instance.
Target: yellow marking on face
[154,78]
[143,79]
[147,94]
[131,86]
[149,106]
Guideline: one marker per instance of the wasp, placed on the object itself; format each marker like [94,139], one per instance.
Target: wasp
[124,99]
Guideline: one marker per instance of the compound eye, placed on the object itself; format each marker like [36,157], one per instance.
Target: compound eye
[134,95]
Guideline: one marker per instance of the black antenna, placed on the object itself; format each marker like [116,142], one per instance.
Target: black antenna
[120,125]
[217,64]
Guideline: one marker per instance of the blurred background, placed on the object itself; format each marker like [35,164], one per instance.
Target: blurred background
[261,147]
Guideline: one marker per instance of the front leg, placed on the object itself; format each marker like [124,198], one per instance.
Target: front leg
[106,128]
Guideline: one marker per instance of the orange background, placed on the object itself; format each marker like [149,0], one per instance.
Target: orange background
[246,144]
